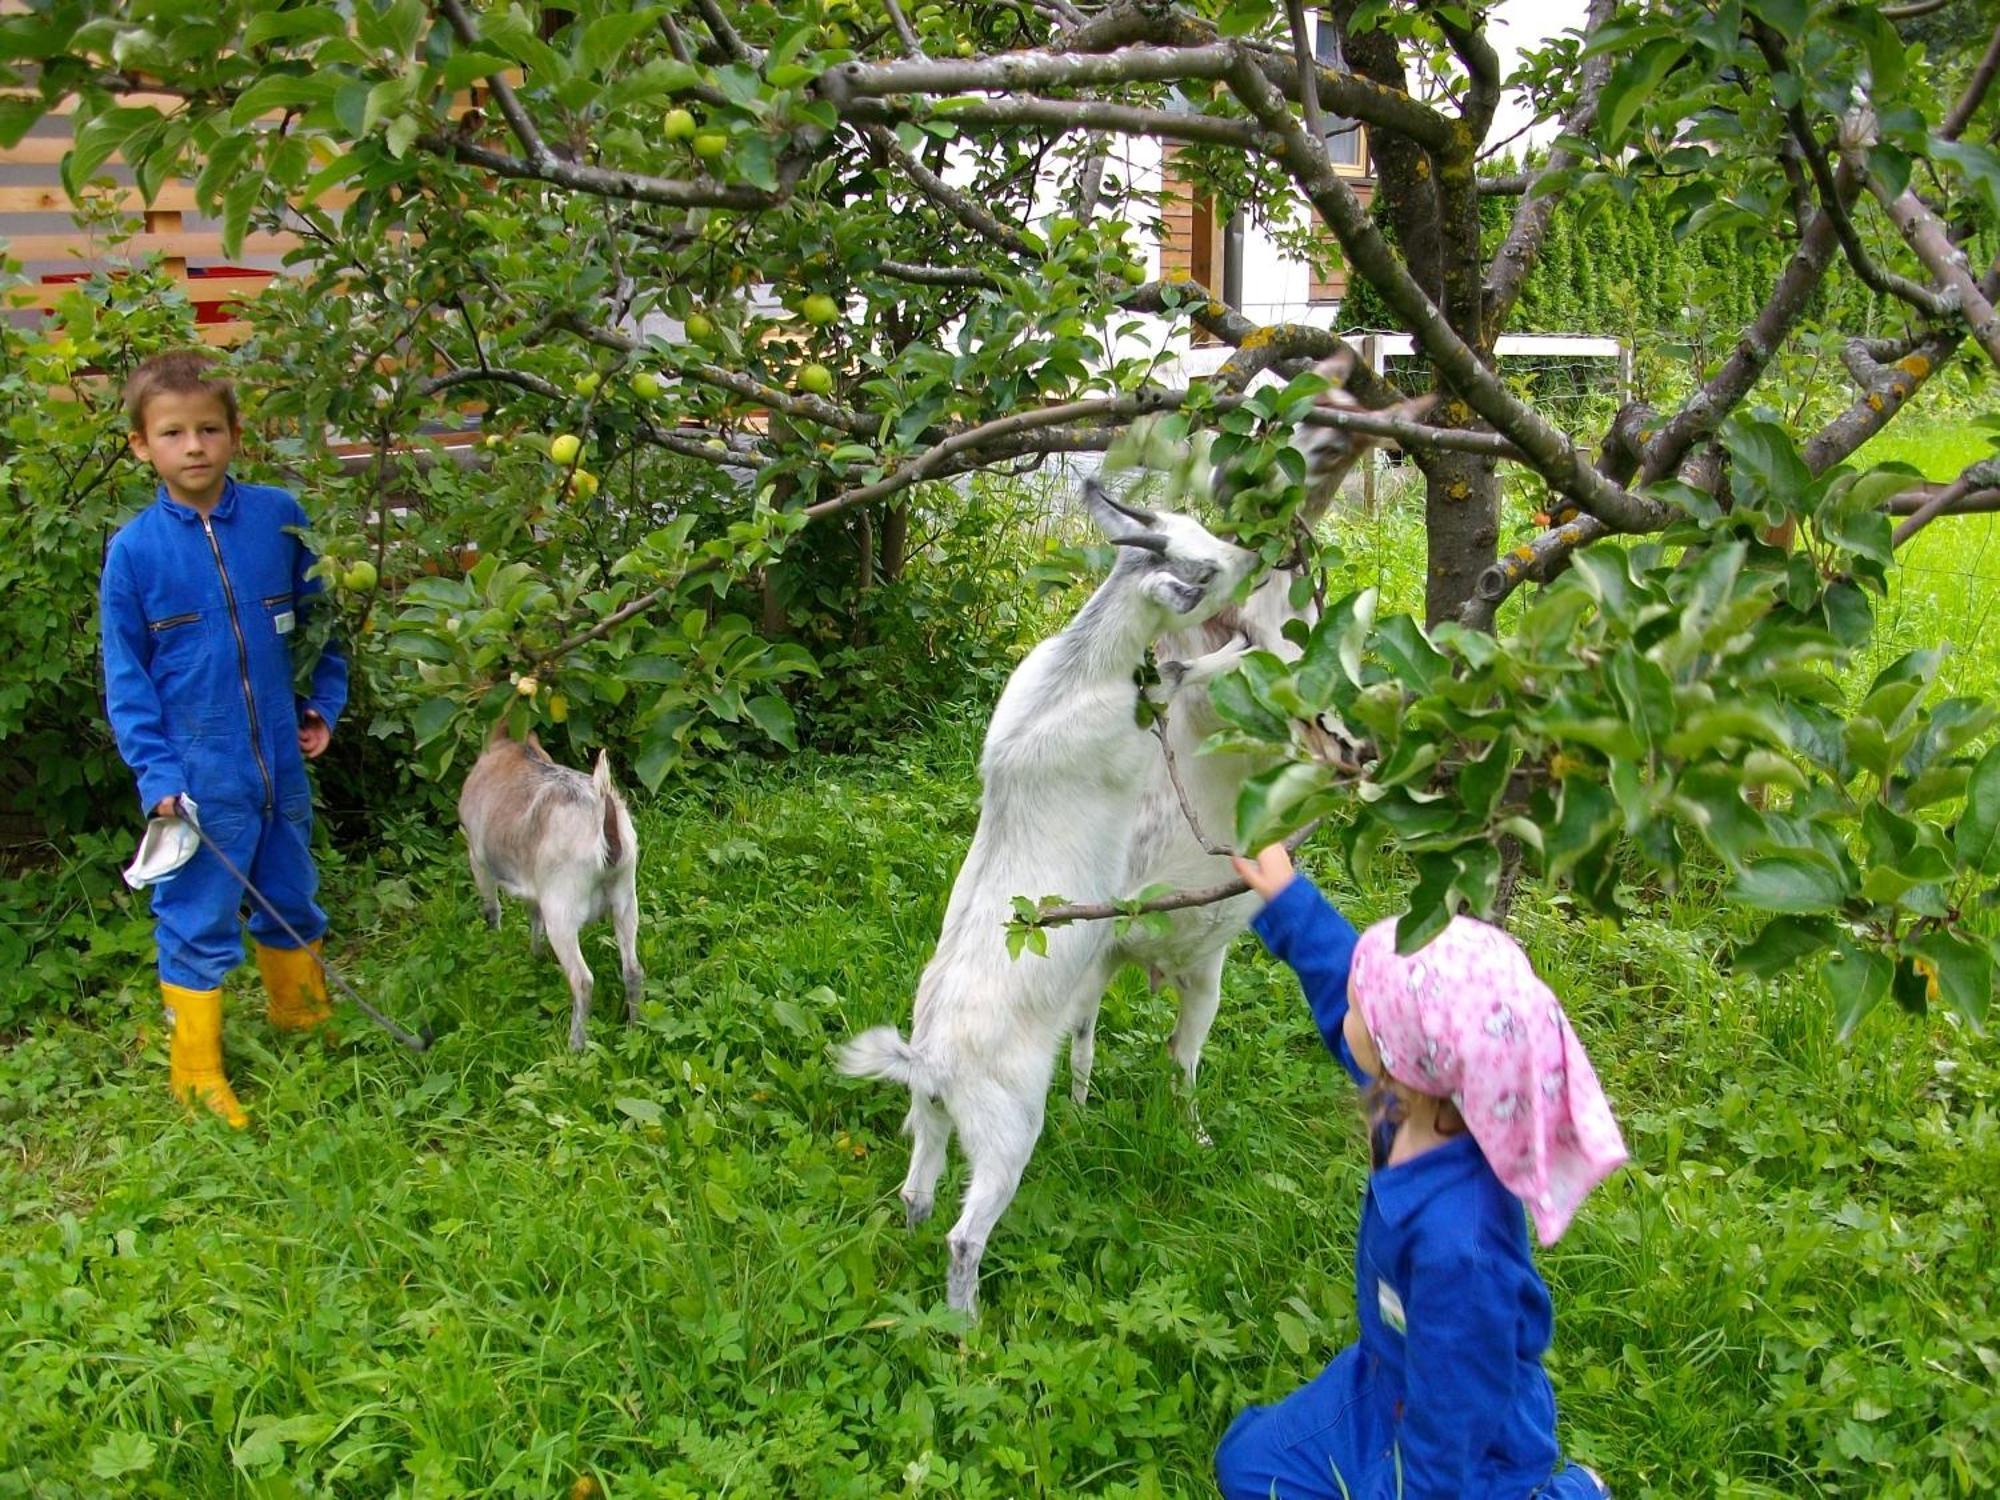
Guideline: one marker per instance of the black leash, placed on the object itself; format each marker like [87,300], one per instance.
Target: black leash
[415,1041]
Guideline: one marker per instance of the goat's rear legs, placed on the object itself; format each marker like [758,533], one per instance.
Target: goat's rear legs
[998,1129]
[929,1129]
[1200,988]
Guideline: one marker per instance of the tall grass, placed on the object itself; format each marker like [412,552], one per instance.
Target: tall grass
[675,1266]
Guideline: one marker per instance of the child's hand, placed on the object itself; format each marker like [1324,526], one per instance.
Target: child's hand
[313,736]
[1271,872]
[170,807]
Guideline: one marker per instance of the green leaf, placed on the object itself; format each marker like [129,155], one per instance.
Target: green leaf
[1631,84]
[774,716]
[721,1202]
[1268,807]
[645,1111]
[1645,693]
[1782,944]
[307,23]
[1430,903]
[1481,782]
[607,36]
[1585,818]
[1797,881]
[122,1453]
[98,141]
[1857,978]
[1977,836]
[1233,697]
[1412,660]
[1335,646]
[1768,474]
[432,718]
[1964,972]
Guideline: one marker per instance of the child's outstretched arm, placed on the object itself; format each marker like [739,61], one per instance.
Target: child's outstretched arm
[138,723]
[1300,926]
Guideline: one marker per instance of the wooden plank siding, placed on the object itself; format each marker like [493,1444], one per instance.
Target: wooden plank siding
[1191,234]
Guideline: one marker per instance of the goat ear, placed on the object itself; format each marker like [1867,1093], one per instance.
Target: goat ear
[1416,408]
[1337,366]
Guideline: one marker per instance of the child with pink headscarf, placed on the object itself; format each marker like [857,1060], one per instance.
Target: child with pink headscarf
[1484,1112]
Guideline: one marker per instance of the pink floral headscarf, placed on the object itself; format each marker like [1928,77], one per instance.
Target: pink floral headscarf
[1465,1016]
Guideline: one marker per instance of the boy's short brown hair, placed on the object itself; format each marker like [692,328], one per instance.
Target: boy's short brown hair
[183,372]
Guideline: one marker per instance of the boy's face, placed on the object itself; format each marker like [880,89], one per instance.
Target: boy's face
[188,439]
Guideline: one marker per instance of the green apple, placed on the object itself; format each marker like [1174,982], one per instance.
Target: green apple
[710,144]
[815,379]
[698,327]
[582,485]
[678,125]
[527,687]
[565,447]
[646,385]
[1133,272]
[359,578]
[820,308]
[586,383]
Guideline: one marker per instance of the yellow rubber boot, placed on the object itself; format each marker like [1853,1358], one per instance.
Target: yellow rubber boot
[296,985]
[195,1053]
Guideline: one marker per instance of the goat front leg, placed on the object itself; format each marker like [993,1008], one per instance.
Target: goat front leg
[1200,988]
[562,938]
[1179,676]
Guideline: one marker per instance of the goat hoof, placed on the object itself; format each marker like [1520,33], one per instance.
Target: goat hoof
[916,1210]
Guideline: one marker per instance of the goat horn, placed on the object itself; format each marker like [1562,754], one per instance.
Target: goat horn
[1094,488]
[1149,541]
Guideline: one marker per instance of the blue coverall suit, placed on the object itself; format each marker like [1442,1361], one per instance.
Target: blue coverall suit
[1443,1396]
[198,616]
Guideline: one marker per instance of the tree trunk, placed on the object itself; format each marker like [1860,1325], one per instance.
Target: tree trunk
[895,542]
[1462,529]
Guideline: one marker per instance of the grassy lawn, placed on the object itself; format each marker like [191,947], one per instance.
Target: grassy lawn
[675,1266]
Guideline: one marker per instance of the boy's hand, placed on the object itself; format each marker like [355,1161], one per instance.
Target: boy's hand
[313,736]
[170,807]
[1269,874]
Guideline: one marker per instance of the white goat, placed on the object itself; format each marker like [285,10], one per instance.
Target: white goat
[563,843]
[1185,953]
[1064,767]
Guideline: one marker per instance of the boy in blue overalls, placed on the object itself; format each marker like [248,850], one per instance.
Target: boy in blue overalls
[202,593]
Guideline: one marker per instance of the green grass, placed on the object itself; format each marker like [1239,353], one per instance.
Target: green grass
[676,1263]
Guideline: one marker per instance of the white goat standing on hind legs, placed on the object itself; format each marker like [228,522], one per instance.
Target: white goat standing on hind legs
[1071,803]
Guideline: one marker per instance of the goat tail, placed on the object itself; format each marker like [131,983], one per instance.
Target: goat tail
[608,802]
[881,1052]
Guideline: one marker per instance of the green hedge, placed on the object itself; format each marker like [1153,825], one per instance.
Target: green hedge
[1618,269]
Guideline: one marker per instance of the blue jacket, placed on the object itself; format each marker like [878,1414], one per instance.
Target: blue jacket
[197,618]
[1454,1317]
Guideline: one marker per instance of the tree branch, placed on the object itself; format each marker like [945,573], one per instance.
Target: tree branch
[1702,413]
[1027,110]
[1945,261]
[1982,477]
[1516,257]
[1874,277]
[1545,448]
[971,214]
[1975,91]
[636,187]
[539,155]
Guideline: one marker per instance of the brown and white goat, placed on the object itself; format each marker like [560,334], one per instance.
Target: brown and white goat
[562,843]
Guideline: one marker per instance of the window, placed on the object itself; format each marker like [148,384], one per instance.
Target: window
[1346,141]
